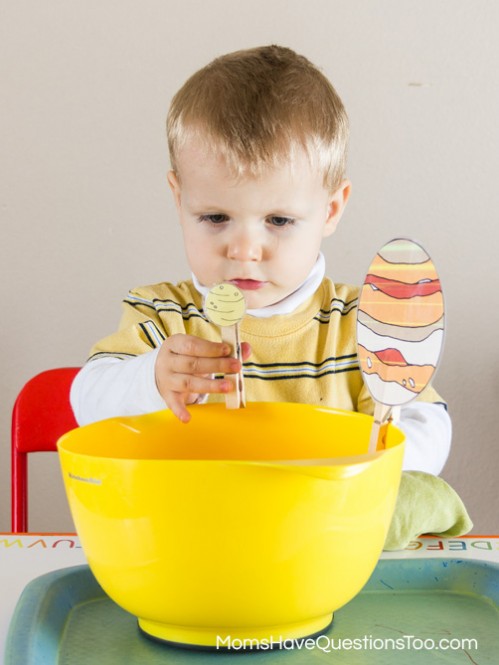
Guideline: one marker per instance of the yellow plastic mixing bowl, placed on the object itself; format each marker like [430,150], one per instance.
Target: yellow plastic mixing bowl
[199,532]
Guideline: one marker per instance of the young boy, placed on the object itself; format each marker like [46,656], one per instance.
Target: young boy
[257,143]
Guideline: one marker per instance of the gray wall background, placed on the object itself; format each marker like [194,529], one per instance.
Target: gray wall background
[86,213]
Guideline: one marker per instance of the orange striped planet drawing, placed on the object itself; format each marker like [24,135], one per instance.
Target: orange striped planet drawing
[400,322]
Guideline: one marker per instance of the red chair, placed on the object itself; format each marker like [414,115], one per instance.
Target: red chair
[42,413]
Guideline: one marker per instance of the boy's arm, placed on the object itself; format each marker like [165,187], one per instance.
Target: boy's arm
[428,430]
[145,366]
[118,379]
[109,387]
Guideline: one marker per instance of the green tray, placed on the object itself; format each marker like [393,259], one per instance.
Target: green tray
[65,618]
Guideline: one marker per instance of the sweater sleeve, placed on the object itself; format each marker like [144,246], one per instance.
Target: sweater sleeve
[428,432]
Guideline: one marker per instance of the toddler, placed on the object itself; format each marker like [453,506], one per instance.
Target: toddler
[257,143]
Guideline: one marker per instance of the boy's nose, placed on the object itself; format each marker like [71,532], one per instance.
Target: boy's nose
[244,247]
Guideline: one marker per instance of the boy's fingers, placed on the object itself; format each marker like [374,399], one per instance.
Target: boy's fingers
[188,383]
[245,350]
[195,365]
[176,404]
[189,345]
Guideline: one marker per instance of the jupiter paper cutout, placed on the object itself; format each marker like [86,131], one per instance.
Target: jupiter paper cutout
[400,323]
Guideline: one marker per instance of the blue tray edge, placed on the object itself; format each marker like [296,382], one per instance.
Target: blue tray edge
[75,585]
[36,604]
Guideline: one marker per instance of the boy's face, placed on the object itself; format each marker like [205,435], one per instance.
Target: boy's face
[261,233]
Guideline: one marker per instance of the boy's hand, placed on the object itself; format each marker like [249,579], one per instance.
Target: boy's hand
[183,368]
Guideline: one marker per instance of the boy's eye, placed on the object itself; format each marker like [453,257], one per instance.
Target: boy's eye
[281,221]
[214,219]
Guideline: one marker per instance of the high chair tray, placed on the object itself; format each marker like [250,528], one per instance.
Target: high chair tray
[412,611]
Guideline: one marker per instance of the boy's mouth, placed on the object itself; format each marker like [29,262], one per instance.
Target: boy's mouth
[247,284]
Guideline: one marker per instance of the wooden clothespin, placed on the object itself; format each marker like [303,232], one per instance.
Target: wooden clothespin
[225,306]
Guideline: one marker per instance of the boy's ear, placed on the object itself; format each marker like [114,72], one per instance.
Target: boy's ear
[174,183]
[336,206]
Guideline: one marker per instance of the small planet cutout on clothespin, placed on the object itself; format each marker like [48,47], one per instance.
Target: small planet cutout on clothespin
[400,327]
[224,305]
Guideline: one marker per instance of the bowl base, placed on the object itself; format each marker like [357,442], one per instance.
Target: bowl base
[235,638]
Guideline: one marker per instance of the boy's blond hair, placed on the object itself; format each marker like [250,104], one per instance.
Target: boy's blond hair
[255,107]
